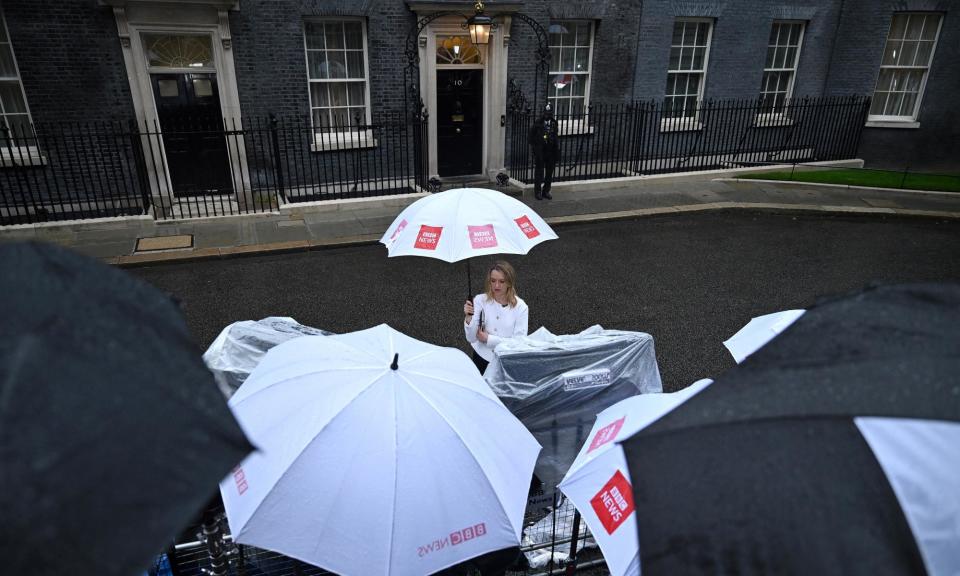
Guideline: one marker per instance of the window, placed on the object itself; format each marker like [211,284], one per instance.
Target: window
[178,51]
[686,74]
[571,51]
[903,70]
[780,69]
[14,114]
[457,50]
[337,76]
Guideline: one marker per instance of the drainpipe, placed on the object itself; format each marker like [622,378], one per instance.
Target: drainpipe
[833,49]
[636,60]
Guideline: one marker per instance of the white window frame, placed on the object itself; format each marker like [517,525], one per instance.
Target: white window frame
[780,118]
[350,139]
[582,125]
[16,155]
[689,122]
[925,69]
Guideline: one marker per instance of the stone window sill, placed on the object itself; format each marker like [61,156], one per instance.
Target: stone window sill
[343,141]
[684,125]
[771,121]
[21,156]
[903,125]
[575,128]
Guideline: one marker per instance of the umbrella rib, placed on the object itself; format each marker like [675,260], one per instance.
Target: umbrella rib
[507,218]
[459,238]
[457,384]
[796,417]
[302,374]
[413,387]
[396,475]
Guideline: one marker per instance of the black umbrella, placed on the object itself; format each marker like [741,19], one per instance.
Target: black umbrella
[113,434]
[787,464]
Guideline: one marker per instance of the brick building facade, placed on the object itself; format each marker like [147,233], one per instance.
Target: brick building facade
[330,62]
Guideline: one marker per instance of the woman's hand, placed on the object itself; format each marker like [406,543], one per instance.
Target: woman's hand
[468,309]
[481,335]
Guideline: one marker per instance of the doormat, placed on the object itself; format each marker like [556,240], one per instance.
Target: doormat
[178,242]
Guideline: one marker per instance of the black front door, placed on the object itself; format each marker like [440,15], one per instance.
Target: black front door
[459,119]
[188,106]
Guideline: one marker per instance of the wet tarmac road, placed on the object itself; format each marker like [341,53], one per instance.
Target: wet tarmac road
[690,280]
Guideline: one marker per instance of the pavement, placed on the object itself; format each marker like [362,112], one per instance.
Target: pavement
[143,240]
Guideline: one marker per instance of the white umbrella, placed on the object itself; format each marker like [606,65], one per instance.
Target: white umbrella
[598,482]
[758,332]
[465,222]
[379,454]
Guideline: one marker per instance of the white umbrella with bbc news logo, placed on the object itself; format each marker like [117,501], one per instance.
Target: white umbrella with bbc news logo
[459,224]
[378,454]
[598,481]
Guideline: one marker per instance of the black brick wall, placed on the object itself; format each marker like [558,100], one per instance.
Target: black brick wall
[935,146]
[738,48]
[271,65]
[72,66]
[70,59]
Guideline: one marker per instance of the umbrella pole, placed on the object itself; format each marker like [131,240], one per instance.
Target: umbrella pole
[212,536]
[553,537]
[572,562]
[469,283]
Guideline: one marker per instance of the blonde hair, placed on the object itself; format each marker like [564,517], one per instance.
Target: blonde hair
[509,275]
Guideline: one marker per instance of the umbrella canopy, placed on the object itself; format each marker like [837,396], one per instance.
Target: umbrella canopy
[465,222]
[758,332]
[834,449]
[113,434]
[598,482]
[380,454]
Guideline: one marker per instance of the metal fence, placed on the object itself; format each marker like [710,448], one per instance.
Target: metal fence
[201,166]
[640,138]
[549,529]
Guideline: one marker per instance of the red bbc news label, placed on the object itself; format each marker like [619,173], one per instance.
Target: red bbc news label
[240,479]
[456,537]
[606,434]
[482,236]
[614,502]
[468,533]
[527,227]
[428,238]
[400,227]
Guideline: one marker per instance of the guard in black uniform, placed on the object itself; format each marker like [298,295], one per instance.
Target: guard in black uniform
[544,139]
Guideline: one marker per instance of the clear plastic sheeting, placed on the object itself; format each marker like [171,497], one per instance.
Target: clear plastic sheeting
[542,540]
[241,345]
[556,385]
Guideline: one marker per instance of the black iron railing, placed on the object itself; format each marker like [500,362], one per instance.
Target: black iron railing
[69,171]
[551,529]
[200,166]
[641,138]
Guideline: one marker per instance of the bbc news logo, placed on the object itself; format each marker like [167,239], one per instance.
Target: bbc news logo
[482,236]
[456,537]
[606,434]
[527,227]
[240,479]
[614,502]
[469,533]
[428,237]
[400,227]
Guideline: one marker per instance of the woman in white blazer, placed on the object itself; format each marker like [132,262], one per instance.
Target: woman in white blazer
[494,315]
